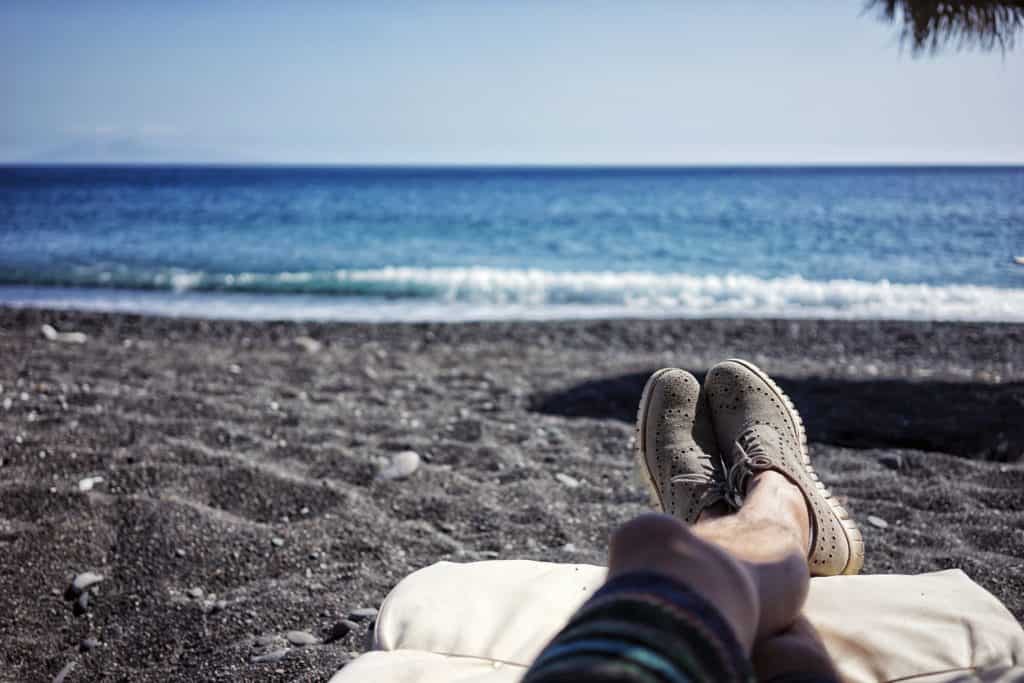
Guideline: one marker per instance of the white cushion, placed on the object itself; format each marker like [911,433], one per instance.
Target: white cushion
[485,622]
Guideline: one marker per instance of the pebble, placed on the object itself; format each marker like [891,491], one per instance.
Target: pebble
[277,541]
[402,465]
[569,548]
[195,593]
[89,482]
[340,630]
[88,644]
[81,583]
[219,606]
[180,552]
[878,522]
[51,334]
[301,638]
[363,614]
[64,672]
[565,479]
[308,344]
[272,656]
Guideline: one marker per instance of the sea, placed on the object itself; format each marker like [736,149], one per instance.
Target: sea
[461,243]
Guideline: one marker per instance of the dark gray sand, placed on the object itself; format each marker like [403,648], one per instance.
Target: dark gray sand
[238,500]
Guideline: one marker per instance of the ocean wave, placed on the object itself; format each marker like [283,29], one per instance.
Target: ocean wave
[488,292]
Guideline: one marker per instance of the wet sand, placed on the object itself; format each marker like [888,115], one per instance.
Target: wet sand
[238,497]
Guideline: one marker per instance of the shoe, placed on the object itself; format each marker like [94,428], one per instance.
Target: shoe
[759,429]
[675,446]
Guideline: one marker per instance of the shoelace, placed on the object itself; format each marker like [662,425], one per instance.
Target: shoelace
[713,490]
[749,455]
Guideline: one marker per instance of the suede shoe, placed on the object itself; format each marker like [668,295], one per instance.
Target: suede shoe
[759,429]
[676,449]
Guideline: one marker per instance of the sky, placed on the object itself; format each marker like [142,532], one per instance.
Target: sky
[488,82]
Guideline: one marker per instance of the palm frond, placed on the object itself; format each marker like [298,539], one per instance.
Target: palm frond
[930,25]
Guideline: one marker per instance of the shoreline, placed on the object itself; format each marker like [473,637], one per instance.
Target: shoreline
[241,459]
[480,294]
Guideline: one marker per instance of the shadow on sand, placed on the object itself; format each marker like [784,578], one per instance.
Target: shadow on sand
[973,420]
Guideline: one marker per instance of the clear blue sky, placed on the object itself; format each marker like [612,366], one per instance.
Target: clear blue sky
[492,82]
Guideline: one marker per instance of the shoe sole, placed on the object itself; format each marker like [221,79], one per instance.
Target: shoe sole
[853,535]
[640,442]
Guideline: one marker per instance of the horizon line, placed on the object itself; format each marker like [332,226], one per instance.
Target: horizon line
[504,165]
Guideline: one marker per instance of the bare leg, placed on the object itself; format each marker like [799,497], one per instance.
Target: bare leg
[751,566]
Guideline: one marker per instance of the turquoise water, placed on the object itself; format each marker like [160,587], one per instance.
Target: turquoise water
[410,244]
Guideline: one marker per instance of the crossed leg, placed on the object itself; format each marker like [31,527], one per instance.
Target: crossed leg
[751,566]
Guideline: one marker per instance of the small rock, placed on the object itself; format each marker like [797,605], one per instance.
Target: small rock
[272,656]
[219,606]
[88,644]
[180,552]
[569,548]
[235,369]
[81,583]
[195,593]
[401,466]
[565,479]
[277,541]
[340,630]
[308,344]
[87,483]
[301,638]
[878,522]
[363,614]
[64,672]
[51,334]
[893,461]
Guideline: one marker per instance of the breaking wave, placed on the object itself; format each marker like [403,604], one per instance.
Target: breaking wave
[401,293]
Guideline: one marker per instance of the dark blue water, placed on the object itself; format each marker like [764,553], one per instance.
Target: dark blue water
[457,243]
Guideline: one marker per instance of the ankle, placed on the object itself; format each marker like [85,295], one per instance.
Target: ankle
[771,495]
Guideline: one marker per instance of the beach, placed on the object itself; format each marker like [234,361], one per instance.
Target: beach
[224,477]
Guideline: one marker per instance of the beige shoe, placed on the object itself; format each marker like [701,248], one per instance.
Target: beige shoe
[675,446]
[759,429]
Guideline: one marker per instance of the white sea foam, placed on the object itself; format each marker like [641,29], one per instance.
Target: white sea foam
[707,295]
[487,293]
